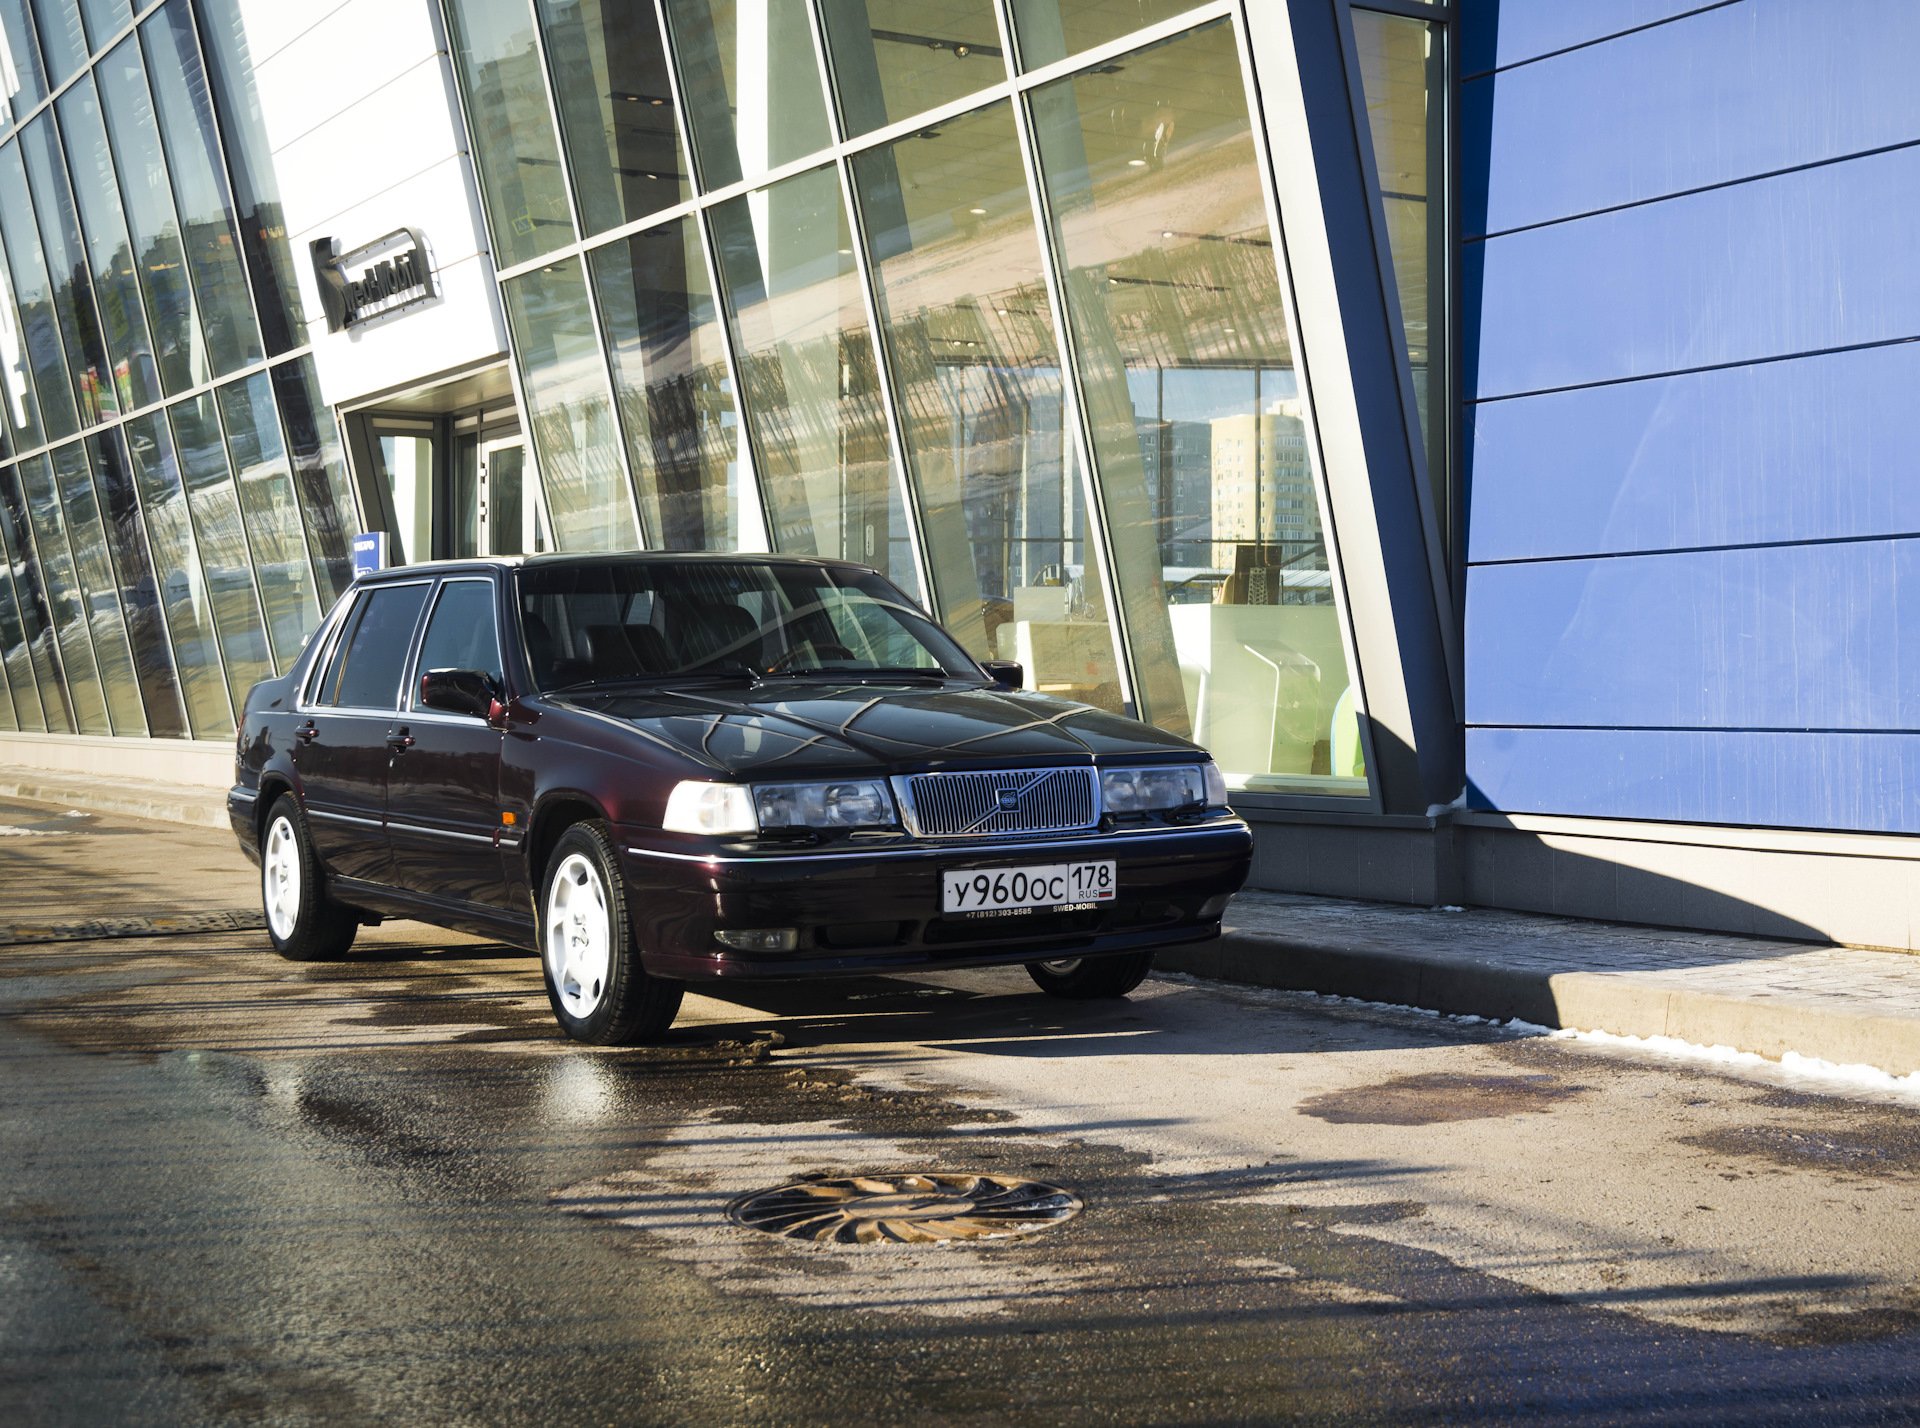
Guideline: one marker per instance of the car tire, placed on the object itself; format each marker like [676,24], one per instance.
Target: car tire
[305,923]
[1086,979]
[590,959]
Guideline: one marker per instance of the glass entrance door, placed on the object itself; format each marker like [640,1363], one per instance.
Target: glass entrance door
[507,519]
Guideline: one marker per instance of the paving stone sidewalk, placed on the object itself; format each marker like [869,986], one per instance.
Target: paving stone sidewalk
[1837,1003]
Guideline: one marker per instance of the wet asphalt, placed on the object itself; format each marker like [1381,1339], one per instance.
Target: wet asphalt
[240,1190]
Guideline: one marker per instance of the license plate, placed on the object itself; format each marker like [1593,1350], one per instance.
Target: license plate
[987,890]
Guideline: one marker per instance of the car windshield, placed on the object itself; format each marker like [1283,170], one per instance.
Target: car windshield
[617,622]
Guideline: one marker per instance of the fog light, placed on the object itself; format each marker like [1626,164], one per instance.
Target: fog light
[759,939]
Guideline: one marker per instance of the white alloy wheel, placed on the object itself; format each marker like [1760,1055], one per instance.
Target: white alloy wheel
[579,935]
[280,877]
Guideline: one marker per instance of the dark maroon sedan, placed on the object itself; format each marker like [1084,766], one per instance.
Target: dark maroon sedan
[656,769]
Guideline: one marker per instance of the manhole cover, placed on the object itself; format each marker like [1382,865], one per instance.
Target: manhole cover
[905,1209]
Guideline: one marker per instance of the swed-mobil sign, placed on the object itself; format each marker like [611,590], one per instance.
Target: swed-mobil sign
[377,279]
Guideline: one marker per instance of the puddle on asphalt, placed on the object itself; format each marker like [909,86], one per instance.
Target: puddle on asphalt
[1438,1097]
[1844,1151]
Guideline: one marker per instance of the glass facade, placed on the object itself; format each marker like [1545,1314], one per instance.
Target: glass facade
[174,508]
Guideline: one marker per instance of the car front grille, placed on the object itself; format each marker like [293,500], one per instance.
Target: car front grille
[969,805]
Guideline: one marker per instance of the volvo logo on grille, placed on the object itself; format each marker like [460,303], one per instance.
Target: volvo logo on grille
[1009,798]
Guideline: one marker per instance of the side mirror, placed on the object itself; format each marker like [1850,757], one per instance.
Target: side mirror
[460,691]
[1005,673]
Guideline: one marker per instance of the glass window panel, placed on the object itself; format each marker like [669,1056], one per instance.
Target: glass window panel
[35,611]
[140,590]
[377,649]
[462,633]
[208,232]
[65,599]
[62,41]
[19,404]
[23,80]
[23,683]
[616,110]
[977,373]
[105,19]
[34,295]
[506,96]
[1197,415]
[136,375]
[320,475]
[263,228]
[574,441]
[66,254]
[9,720]
[751,84]
[271,510]
[676,399]
[1403,77]
[1050,30]
[406,461]
[99,587]
[221,537]
[159,259]
[812,394]
[896,58]
[184,599]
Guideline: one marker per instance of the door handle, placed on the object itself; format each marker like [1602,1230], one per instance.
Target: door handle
[400,741]
[307,732]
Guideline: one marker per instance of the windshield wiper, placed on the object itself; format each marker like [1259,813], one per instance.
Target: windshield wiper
[859,671]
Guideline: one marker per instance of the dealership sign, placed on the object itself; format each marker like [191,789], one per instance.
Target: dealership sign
[386,276]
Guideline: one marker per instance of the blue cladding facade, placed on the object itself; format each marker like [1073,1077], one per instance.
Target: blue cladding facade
[1689,360]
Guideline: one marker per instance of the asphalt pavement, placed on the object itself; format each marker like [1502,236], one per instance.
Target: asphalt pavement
[241,1189]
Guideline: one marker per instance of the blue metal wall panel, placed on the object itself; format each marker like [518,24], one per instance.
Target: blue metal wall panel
[1503,32]
[1706,100]
[1811,260]
[1851,782]
[1815,448]
[1782,637]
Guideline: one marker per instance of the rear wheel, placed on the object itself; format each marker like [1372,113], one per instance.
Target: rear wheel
[306,925]
[598,990]
[1091,978]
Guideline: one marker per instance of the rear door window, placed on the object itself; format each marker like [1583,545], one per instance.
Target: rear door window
[376,650]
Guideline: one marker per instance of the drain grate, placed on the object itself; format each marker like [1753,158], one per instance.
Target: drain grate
[101,928]
[912,1209]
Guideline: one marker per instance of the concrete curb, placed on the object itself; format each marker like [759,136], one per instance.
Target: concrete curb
[1623,1003]
[162,802]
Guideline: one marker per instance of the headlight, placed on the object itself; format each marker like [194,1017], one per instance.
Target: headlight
[1216,784]
[1145,790]
[844,803]
[709,808]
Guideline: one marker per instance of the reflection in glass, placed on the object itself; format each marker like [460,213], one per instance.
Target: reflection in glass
[19,406]
[140,587]
[263,228]
[896,58]
[221,540]
[406,463]
[751,85]
[105,19]
[564,377]
[1050,30]
[319,473]
[499,66]
[1196,413]
[39,327]
[1402,76]
[99,588]
[158,258]
[271,509]
[9,720]
[36,610]
[812,394]
[23,683]
[66,254]
[205,209]
[670,374]
[616,110]
[62,40]
[65,599]
[23,82]
[136,376]
[977,375]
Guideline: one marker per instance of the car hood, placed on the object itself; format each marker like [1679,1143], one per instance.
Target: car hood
[821,727]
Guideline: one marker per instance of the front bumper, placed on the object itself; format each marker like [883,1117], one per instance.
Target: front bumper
[872,909]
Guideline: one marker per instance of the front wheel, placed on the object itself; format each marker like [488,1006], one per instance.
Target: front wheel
[306,925]
[599,991]
[1085,979]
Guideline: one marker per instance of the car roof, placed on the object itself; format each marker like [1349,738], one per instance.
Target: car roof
[553,561]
